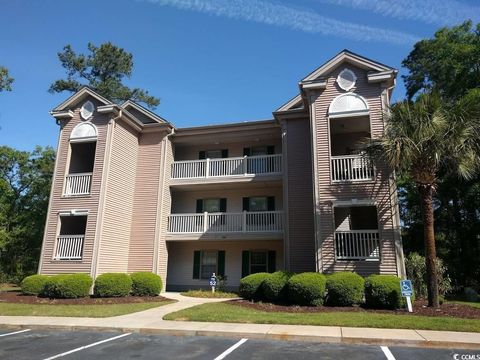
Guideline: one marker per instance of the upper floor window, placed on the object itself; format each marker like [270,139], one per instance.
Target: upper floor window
[346,79]
[348,105]
[213,154]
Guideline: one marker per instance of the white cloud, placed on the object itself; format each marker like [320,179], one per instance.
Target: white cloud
[440,12]
[290,17]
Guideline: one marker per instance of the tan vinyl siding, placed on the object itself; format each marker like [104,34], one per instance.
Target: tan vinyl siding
[120,190]
[377,190]
[60,203]
[164,209]
[147,180]
[180,270]
[301,237]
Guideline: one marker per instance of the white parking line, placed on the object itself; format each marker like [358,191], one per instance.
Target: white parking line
[88,346]
[15,332]
[230,349]
[387,352]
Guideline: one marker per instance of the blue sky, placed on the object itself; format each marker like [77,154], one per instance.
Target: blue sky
[210,61]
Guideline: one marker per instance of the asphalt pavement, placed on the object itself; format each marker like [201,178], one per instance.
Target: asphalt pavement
[42,344]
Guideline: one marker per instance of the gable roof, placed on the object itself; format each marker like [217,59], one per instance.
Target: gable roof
[79,95]
[149,114]
[353,58]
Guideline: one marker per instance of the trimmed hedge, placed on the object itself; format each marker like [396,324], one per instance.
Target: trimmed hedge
[68,286]
[146,284]
[34,284]
[383,292]
[274,287]
[251,286]
[345,289]
[307,288]
[112,285]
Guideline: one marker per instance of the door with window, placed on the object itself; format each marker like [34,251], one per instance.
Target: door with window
[258,212]
[257,163]
[216,209]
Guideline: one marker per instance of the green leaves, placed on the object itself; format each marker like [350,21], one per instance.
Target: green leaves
[5,80]
[104,69]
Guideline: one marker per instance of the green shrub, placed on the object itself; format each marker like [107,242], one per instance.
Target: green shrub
[34,284]
[146,284]
[307,288]
[344,289]
[416,271]
[68,286]
[274,287]
[251,286]
[112,285]
[383,292]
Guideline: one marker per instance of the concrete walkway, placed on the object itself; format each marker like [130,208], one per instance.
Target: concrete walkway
[150,321]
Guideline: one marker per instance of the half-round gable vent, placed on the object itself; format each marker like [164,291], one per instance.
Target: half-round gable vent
[87,109]
[349,104]
[346,79]
[84,131]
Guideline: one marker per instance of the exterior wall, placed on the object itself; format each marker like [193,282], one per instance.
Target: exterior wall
[147,186]
[114,245]
[180,270]
[235,149]
[60,203]
[300,242]
[377,190]
[185,201]
[165,199]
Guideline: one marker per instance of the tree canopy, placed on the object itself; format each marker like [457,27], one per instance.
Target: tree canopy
[5,80]
[25,179]
[104,69]
[449,62]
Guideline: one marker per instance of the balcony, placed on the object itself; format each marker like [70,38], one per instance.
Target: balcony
[244,222]
[224,168]
[357,245]
[69,247]
[78,184]
[351,168]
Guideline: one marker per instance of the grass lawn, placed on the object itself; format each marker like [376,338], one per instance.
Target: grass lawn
[76,310]
[222,312]
[468,303]
[209,294]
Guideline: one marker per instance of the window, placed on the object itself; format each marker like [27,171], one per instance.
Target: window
[208,264]
[213,154]
[258,203]
[258,262]
[211,205]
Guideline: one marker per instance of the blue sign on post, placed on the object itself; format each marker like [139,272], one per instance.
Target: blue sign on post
[406,288]
[213,281]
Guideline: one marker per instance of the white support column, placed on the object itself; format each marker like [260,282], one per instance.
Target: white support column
[205,221]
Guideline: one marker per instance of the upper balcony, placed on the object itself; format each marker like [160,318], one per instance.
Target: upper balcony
[232,168]
[81,161]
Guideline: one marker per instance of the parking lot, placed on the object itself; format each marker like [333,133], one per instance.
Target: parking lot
[36,344]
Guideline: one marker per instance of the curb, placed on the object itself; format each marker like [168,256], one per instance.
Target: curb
[259,335]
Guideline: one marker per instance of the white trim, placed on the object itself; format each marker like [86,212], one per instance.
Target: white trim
[321,84]
[144,111]
[354,202]
[290,103]
[89,127]
[78,95]
[69,114]
[73,212]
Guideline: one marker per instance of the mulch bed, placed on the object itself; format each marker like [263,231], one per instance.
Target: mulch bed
[17,298]
[419,308]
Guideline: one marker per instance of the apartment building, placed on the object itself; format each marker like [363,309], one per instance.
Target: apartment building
[131,192]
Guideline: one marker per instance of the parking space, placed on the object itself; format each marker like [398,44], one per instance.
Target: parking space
[35,344]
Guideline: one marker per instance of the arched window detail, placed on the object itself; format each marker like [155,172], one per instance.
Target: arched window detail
[349,104]
[84,132]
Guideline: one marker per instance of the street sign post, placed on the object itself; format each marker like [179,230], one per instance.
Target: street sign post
[407,291]
[213,282]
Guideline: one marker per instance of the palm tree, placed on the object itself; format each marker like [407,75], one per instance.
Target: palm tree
[423,138]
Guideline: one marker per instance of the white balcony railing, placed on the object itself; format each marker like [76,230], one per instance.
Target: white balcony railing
[78,184]
[69,247]
[357,245]
[234,166]
[351,168]
[262,221]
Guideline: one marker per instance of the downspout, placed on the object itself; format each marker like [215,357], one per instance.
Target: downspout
[160,203]
[103,190]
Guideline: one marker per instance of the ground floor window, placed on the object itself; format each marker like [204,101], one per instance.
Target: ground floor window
[207,262]
[255,261]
